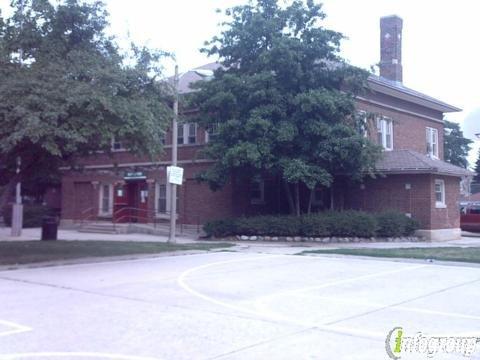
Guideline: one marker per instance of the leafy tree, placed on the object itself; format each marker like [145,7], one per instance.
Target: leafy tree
[283,100]
[456,146]
[66,89]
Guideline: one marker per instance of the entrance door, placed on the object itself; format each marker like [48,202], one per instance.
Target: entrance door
[137,195]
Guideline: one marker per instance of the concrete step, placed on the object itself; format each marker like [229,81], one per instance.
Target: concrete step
[99,228]
[97,231]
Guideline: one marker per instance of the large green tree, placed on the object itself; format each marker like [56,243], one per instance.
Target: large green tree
[456,146]
[66,88]
[283,100]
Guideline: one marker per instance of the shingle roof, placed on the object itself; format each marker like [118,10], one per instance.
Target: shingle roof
[412,95]
[409,161]
[380,84]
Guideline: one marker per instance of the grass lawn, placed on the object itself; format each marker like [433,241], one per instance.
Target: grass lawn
[470,254]
[26,252]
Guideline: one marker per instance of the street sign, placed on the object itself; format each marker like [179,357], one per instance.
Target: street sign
[175,175]
[135,176]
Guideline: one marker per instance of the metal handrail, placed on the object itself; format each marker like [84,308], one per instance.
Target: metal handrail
[149,214]
[84,218]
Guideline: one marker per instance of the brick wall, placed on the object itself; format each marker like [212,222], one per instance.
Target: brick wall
[391,192]
[409,131]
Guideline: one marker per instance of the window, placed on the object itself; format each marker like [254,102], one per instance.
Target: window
[212,132]
[180,137]
[187,134]
[163,195]
[257,192]
[385,133]
[106,200]
[318,196]
[440,194]
[192,133]
[117,145]
[362,123]
[162,198]
[432,142]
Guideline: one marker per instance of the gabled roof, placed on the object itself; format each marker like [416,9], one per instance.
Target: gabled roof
[377,83]
[398,90]
[410,161]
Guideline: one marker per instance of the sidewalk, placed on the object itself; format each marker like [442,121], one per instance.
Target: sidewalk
[470,240]
[73,235]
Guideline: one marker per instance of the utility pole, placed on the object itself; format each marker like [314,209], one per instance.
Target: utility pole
[173,187]
[17,209]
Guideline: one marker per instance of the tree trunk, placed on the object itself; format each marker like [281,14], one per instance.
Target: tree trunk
[288,191]
[332,203]
[297,199]
[310,201]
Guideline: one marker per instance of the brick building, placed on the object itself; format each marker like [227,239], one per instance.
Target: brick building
[412,176]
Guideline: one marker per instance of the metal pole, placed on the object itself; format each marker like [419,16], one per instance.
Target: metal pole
[173,187]
[18,192]
[17,209]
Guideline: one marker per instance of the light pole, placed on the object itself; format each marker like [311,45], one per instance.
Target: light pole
[173,187]
[205,75]
[17,210]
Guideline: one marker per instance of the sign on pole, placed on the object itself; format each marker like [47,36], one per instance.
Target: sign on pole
[175,175]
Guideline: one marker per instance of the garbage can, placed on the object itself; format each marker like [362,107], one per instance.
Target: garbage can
[49,228]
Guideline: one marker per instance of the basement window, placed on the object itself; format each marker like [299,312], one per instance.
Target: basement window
[440,194]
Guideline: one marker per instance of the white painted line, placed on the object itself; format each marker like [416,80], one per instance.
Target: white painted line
[357,302]
[266,312]
[17,328]
[182,283]
[91,355]
[339,282]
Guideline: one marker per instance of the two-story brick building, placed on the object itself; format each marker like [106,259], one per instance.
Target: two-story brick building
[412,176]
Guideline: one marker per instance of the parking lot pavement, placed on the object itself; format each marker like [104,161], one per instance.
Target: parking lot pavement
[232,305]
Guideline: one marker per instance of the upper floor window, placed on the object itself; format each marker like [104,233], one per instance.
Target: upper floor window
[211,132]
[117,144]
[385,133]
[362,122]
[187,133]
[432,142]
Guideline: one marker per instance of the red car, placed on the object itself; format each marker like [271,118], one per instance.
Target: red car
[470,216]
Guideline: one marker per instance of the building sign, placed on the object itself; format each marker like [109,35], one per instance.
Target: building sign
[135,176]
[175,175]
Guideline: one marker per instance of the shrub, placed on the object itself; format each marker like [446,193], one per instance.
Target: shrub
[32,215]
[315,225]
[220,228]
[352,224]
[395,224]
[341,224]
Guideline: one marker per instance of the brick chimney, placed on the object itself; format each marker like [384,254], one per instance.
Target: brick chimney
[391,48]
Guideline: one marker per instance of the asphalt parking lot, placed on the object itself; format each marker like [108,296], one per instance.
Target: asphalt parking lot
[231,305]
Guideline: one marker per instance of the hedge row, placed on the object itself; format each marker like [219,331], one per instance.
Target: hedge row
[326,224]
[32,215]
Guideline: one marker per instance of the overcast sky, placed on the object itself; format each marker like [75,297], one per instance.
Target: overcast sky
[441,53]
